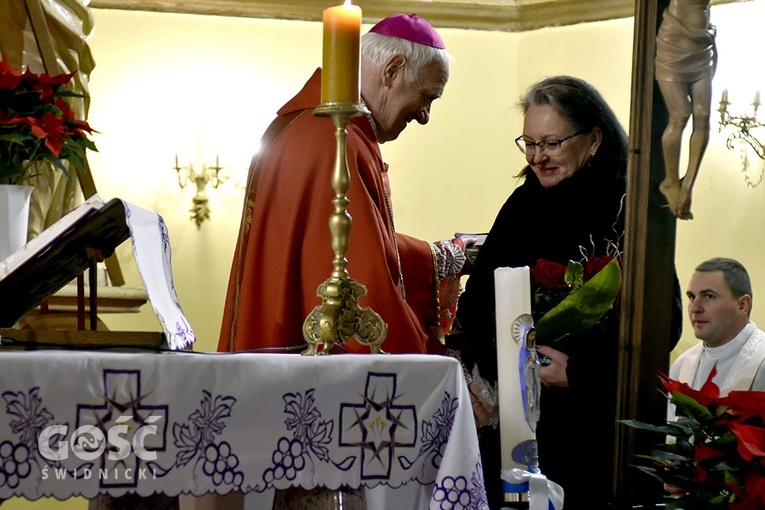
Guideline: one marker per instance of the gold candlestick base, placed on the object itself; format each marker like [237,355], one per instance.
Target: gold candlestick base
[339,317]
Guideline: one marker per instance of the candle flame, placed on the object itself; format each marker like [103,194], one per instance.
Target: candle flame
[347,3]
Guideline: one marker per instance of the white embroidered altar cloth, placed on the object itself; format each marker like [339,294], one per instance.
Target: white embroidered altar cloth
[82,423]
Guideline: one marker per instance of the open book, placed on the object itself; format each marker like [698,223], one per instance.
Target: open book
[50,234]
[58,254]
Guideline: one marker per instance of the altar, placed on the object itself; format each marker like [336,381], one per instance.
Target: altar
[84,423]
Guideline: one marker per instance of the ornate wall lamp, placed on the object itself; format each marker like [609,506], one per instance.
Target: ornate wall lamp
[745,123]
[200,174]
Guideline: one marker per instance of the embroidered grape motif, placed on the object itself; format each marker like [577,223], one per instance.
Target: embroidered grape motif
[14,463]
[220,464]
[288,459]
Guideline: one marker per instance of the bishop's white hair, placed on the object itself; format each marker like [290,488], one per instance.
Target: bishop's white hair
[378,48]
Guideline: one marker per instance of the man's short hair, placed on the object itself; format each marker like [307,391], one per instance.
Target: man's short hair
[734,273]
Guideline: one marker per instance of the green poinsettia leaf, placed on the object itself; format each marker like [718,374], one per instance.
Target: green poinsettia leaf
[657,460]
[681,449]
[62,91]
[674,504]
[584,307]
[729,475]
[671,473]
[666,429]
[16,137]
[688,407]
[60,165]
[89,144]
[727,439]
[652,472]
[669,457]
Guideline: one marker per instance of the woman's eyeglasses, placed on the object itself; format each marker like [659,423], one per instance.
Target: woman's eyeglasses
[551,146]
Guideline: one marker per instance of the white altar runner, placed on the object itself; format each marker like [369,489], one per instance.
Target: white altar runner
[82,423]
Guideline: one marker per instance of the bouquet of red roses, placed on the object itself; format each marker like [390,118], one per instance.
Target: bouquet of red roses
[718,454]
[571,299]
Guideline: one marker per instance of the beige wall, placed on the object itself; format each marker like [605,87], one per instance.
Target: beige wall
[728,216]
[230,76]
[160,79]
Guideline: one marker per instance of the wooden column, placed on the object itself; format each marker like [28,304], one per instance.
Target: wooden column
[649,270]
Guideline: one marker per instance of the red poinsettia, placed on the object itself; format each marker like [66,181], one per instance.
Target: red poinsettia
[706,396]
[718,457]
[37,124]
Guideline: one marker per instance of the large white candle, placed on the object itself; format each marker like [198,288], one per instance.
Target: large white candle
[513,301]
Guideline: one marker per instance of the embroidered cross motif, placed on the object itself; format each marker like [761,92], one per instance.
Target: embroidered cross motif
[133,431]
[378,426]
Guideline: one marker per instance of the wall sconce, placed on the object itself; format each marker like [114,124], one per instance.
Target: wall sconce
[745,123]
[201,175]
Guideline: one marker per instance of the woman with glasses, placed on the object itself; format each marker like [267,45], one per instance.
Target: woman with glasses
[569,206]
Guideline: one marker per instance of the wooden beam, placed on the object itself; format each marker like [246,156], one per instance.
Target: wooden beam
[478,15]
[499,15]
[42,36]
[648,294]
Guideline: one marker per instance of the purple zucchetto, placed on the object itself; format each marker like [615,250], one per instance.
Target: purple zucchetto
[410,27]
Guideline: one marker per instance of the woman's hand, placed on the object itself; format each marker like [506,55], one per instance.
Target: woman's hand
[554,374]
[468,241]
[482,409]
[673,491]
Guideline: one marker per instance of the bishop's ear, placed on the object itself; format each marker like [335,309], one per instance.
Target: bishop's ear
[393,68]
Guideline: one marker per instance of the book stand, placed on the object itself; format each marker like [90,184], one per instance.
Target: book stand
[35,275]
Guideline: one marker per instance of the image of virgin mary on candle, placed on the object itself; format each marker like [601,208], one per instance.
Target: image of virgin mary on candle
[528,368]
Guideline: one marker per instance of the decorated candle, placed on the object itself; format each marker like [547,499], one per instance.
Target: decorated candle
[340,63]
[513,318]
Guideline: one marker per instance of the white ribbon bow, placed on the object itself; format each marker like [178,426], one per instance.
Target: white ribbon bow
[542,491]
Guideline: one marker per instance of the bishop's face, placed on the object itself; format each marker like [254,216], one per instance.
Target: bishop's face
[399,101]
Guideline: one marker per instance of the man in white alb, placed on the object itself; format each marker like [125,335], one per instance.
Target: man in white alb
[732,349]
[719,306]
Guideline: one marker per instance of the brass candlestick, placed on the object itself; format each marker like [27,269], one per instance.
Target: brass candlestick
[339,317]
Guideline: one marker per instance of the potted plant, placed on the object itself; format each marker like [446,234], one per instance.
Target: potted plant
[37,127]
[713,456]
